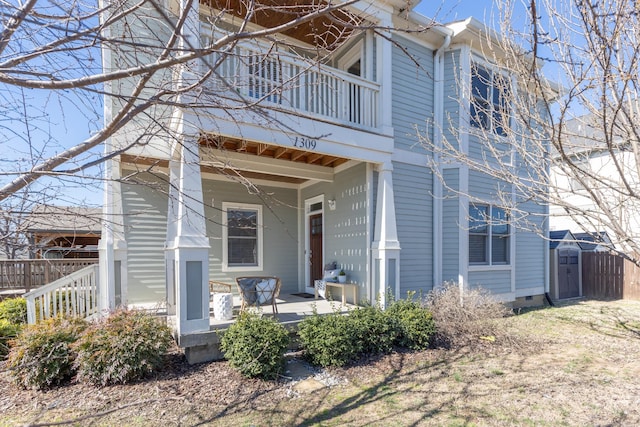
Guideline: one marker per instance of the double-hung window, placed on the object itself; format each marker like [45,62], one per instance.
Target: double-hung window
[489,100]
[489,235]
[242,236]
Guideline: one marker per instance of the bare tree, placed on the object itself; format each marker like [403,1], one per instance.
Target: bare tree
[53,49]
[574,146]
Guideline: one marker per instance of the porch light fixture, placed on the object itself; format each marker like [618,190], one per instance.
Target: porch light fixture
[332,204]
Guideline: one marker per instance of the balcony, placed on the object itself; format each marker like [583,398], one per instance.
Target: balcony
[255,75]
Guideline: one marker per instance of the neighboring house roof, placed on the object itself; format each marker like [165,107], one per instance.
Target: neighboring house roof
[584,136]
[558,236]
[64,219]
[600,238]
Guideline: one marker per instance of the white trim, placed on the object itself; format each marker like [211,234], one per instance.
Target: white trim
[368,235]
[411,157]
[496,267]
[307,243]
[351,56]
[226,206]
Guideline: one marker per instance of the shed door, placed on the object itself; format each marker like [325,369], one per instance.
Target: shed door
[568,273]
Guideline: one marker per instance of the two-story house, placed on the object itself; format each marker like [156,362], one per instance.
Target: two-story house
[303,148]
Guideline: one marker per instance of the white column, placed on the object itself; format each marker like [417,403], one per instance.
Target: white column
[187,245]
[384,60]
[385,248]
[188,250]
[112,282]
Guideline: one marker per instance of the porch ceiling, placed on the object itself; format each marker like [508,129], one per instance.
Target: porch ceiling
[239,159]
[328,31]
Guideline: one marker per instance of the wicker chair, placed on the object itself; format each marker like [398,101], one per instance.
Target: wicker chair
[257,290]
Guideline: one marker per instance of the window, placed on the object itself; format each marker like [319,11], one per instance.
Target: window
[489,100]
[242,236]
[489,235]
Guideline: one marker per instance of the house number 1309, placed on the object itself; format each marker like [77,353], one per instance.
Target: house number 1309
[305,143]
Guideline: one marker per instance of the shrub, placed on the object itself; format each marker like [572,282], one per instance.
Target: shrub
[464,320]
[375,329]
[126,346]
[14,310]
[415,323]
[42,354]
[8,331]
[330,340]
[255,346]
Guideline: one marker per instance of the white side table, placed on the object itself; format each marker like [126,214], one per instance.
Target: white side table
[223,306]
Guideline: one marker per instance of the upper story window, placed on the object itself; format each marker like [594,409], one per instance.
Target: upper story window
[489,235]
[242,237]
[489,100]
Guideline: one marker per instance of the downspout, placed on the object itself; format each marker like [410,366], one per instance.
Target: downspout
[437,127]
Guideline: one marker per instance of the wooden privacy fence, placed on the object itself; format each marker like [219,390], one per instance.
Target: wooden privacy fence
[609,276]
[33,273]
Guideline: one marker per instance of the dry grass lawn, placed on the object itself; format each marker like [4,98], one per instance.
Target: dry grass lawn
[574,365]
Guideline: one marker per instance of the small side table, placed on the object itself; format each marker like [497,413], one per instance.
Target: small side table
[223,306]
[344,287]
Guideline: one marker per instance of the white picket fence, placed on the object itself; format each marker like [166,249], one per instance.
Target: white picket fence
[73,295]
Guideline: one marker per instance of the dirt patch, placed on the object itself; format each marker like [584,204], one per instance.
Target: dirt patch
[572,365]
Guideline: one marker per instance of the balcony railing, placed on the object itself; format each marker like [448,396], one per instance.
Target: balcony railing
[288,82]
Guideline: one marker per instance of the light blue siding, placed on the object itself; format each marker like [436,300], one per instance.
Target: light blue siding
[450,228]
[498,282]
[280,235]
[414,217]
[345,228]
[412,88]
[145,225]
[530,262]
[486,187]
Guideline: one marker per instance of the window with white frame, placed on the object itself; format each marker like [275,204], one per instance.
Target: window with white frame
[489,235]
[489,100]
[242,236]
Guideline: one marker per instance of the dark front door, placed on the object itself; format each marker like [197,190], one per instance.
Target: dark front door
[315,248]
[568,274]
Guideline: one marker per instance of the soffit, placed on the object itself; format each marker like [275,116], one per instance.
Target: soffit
[328,31]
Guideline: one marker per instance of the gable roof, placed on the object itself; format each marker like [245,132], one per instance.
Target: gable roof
[557,236]
[598,238]
[64,219]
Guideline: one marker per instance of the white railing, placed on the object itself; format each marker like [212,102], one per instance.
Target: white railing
[73,295]
[289,82]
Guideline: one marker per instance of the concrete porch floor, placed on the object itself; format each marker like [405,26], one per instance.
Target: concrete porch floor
[291,310]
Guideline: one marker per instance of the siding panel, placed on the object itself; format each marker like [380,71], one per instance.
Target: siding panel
[450,228]
[412,88]
[414,218]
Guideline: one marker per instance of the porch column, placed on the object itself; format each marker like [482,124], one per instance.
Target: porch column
[187,245]
[385,248]
[384,60]
[112,281]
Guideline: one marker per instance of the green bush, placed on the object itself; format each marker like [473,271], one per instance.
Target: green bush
[8,332]
[14,310]
[123,347]
[330,340]
[416,324]
[42,354]
[255,346]
[376,331]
